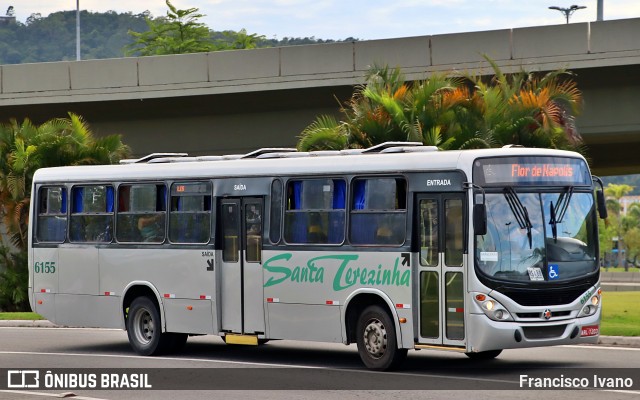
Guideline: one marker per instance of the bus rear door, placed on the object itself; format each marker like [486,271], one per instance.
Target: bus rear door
[241,287]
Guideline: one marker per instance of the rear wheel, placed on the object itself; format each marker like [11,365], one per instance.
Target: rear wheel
[484,355]
[145,330]
[377,340]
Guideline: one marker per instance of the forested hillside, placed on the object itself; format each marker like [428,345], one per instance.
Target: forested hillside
[103,35]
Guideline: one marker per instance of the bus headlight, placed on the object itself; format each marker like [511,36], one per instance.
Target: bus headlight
[591,307]
[492,308]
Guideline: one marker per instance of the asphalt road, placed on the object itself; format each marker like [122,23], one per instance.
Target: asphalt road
[295,370]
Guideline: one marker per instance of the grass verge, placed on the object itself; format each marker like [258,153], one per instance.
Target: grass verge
[620,314]
[19,316]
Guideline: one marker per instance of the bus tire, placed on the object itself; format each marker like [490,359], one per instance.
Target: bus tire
[144,328]
[484,355]
[377,340]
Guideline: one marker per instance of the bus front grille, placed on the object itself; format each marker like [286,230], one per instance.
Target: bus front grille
[543,332]
[548,296]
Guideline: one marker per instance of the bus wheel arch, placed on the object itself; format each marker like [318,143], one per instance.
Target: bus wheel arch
[140,289]
[142,312]
[356,304]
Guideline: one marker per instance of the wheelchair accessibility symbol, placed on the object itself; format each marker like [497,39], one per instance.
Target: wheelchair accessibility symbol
[554,272]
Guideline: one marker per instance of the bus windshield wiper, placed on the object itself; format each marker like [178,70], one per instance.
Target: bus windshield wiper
[556,214]
[519,211]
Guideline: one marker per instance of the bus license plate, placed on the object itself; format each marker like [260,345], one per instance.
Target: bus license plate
[591,330]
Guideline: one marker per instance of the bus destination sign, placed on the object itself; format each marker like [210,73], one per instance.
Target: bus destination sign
[541,170]
[531,171]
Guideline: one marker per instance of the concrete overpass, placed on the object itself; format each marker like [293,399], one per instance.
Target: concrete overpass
[236,101]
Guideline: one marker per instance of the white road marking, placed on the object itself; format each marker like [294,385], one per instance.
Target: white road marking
[37,353]
[575,346]
[621,391]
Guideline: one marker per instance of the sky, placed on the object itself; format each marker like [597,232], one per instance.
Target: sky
[360,19]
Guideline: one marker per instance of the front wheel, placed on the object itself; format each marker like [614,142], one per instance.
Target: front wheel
[144,328]
[377,340]
[484,355]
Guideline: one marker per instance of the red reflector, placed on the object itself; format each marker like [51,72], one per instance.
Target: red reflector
[269,299]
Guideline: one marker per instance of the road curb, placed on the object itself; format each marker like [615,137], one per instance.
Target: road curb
[623,341]
[28,324]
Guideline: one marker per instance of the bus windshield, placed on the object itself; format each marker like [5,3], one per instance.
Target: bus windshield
[538,236]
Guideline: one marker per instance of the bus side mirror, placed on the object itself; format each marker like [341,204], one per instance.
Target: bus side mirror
[602,205]
[480,219]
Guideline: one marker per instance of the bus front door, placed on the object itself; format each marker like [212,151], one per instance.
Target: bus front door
[440,285]
[241,287]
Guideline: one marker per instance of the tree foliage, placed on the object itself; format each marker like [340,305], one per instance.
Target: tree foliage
[106,35]
[53,38]
[624,227]
[525,109]
[25,147]
[179,32]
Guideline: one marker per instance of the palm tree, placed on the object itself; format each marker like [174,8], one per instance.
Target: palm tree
[386,108]
[25,147]
[454,113]
[528,109]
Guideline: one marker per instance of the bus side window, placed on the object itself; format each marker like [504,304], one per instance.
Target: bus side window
[253,228]
[190,213]
[141,213]
[91,214]
[315,211]
[52,214]
[378,211]
[428,232]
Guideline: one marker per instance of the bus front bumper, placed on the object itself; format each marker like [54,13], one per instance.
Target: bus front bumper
[486,334]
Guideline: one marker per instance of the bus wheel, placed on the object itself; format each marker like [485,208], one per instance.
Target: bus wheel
[484,355]
[376,338]
[144,329]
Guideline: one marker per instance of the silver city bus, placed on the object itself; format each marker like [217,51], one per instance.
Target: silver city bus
[395,247]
